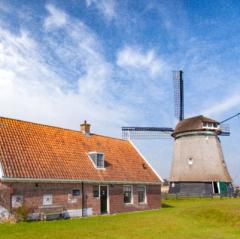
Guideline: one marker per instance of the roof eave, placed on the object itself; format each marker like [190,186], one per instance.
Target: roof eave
[51,180]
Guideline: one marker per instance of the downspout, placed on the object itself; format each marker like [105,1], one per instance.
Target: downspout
[83,204]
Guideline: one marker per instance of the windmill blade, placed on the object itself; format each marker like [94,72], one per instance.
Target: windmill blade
[178,94]
[224,130]
[146,132]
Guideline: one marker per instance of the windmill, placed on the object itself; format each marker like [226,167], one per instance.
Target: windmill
[198,165]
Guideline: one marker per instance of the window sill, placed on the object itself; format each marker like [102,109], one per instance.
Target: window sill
[128,203]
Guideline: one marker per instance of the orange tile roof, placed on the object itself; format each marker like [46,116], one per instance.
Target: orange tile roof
[34,151]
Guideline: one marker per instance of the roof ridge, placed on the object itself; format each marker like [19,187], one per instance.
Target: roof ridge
[57,127]
[107,136]
[40,124]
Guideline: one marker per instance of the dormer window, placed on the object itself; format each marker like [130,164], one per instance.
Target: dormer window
[97,159]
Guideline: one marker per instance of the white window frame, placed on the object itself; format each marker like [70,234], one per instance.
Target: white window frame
[209,125]
[145,192]
[1,171]
[47,195]
[128,203]
[14,202]
[95,165]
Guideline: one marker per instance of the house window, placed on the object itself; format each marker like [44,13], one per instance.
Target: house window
[96,191]
[76,192]
[17,201]
[97,159]
[141,194]
[127,194]
[47,199]
[72,197]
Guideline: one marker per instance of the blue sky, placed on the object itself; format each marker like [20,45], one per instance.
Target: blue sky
[110,62]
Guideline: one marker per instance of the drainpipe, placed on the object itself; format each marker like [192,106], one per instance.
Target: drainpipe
[82,200]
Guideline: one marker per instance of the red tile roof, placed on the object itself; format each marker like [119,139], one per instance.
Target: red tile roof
[34,151]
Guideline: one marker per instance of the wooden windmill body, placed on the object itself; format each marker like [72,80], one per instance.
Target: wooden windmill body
[198,165]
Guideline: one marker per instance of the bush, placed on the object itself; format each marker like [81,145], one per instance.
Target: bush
[21,213]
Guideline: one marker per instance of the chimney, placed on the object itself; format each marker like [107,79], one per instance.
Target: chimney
[85,128]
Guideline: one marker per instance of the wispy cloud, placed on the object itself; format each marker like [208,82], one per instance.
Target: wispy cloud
[105,7]
[134,59]
[34,87]
[224,105]
[56,17]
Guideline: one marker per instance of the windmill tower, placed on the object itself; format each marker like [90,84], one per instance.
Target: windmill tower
[198,165]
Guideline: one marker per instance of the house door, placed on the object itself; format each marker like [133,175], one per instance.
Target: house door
[104,199]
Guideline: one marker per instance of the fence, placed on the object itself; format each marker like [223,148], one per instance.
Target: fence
[167,196]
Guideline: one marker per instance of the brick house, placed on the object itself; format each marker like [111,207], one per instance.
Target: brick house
[52,170]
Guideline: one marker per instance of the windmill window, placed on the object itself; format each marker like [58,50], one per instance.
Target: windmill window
[190,161]
[208,125]
[97,159]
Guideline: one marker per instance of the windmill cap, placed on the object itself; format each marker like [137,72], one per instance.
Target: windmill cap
[193,124]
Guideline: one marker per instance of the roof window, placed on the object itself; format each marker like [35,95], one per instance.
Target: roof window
[97,159]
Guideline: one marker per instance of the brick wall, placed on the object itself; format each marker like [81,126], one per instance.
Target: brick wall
[153,193]
[33,196]
[5,192]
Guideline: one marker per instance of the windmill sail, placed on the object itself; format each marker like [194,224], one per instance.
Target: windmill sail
[178,94]
[146,132]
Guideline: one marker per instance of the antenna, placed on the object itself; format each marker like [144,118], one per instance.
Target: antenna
[178,94]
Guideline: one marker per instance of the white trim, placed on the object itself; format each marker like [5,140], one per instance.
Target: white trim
[95,166]
[1,171]
[218,185]
[132,196]
[135,147]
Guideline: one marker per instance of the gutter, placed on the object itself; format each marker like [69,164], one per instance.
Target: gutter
[50,180]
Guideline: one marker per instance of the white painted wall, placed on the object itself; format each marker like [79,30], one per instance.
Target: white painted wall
[4,213]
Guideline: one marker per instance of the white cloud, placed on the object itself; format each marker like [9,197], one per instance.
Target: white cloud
[106,7]
[33,84]
[56,18]
[224,106]
[137,59]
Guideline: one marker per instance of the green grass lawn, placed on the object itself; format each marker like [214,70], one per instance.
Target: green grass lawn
[184,218]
